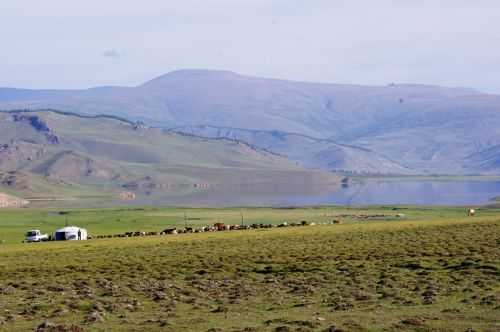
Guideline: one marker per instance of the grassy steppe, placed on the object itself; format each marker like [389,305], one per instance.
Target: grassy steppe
[435,271]
[14,223]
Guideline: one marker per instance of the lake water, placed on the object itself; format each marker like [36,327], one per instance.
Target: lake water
[368,192]
[392,192]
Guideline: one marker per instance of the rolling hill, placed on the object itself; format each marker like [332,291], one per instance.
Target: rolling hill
[306,150]
[399,127]
[49,154]
[488,160]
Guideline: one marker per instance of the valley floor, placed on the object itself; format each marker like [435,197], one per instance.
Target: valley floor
[436,270]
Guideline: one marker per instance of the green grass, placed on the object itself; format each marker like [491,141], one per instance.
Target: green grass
[14,223]
[438,270]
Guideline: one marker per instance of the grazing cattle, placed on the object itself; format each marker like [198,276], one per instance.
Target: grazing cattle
[471,212]
[170,231]
[220,226]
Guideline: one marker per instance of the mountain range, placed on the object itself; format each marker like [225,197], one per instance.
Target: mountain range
[50,155]
[393,129]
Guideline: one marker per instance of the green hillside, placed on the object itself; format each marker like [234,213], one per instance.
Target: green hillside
[53,155]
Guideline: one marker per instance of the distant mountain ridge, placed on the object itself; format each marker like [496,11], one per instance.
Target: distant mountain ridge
[308,151]
[421,128]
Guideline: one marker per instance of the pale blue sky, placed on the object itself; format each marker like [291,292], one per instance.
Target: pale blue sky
[77,44]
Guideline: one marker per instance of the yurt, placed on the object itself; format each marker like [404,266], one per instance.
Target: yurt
[70,233]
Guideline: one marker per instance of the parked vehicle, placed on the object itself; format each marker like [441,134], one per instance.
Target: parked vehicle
[35,235]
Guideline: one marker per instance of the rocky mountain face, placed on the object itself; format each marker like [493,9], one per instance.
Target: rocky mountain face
[395,128]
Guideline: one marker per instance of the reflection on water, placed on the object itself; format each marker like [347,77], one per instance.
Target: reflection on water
[415,193]
[370,192]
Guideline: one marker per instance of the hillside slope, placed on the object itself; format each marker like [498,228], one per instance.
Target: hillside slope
[429,129]
[308,151]
[47,153]
[487,160]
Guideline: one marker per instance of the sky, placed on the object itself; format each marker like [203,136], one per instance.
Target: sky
[84,43]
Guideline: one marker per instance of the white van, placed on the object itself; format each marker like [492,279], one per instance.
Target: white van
[35,235]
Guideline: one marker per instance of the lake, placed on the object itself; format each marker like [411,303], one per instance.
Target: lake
[366,192]
[410,192]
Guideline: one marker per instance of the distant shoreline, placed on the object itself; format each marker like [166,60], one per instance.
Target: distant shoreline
[426,177]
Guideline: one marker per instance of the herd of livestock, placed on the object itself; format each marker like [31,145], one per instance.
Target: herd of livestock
[75,233]
[217,227]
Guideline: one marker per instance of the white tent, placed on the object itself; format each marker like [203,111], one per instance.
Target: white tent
[70,233]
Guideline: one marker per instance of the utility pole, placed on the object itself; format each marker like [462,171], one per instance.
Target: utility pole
[241,213]
[185,219]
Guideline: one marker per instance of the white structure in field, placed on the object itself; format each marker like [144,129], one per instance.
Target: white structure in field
[7,201]
[70,233]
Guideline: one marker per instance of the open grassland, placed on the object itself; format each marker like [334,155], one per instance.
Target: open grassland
[14,223]
[435,271]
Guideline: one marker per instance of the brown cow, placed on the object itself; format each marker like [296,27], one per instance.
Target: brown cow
[220,226]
